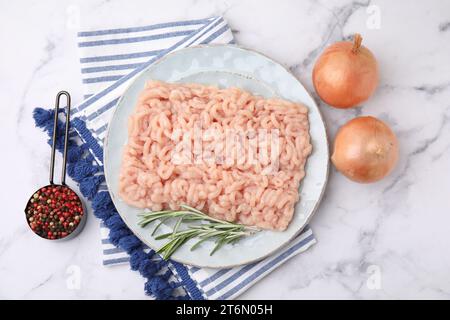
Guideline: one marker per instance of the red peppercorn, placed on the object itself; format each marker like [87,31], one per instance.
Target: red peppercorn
[54,212]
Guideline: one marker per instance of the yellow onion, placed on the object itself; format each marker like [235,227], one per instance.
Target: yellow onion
[346,74]
[365,150]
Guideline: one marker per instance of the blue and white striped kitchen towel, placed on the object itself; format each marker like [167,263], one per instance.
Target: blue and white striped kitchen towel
[110,60]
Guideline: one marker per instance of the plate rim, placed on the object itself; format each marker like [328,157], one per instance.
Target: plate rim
[316,205]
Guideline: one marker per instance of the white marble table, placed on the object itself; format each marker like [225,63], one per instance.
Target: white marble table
[386,240]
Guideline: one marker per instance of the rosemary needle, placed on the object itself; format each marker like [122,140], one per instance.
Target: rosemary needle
[223,232]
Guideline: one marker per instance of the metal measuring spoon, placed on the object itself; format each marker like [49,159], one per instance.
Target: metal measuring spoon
[55,211]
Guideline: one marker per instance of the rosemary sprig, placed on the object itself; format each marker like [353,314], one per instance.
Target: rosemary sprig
[223,232]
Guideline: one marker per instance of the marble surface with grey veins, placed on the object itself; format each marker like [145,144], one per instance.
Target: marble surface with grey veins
[386,240]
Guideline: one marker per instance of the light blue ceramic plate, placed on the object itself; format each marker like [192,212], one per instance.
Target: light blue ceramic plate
[223,66]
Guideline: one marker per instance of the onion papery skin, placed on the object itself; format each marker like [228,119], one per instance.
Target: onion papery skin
[345,75]
[365,150]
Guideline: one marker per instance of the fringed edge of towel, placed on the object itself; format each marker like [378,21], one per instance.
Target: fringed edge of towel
[83,169]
